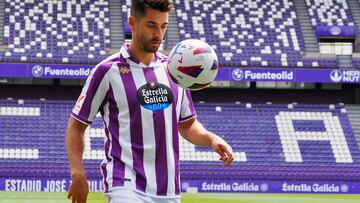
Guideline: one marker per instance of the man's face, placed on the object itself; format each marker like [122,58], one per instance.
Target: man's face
[149,30]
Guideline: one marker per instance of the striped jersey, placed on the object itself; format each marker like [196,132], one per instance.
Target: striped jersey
[141,108]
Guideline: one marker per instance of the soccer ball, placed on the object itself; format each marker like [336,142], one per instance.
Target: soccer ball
[193,64]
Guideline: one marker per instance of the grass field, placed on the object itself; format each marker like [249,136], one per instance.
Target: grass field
[40,197]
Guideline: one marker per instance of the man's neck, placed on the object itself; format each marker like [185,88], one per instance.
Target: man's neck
[140,55]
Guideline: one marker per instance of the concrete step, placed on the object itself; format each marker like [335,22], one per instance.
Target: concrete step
[307,31]
[309,34]
[312,46]
[2,9]
[354,6]
[311,41]
[173,36]
[116,28]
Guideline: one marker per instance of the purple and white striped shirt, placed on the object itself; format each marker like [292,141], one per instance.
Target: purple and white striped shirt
[141,108]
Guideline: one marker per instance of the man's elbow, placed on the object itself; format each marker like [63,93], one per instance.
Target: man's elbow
[76,125]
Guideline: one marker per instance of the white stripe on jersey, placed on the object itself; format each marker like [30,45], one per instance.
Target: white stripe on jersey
[162,78]
[178,110]
[124,132]
[185,109]
[77,107]
[97,99]
[148,136]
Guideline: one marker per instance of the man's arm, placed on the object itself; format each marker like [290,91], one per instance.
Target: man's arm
[194,132]
[75,147]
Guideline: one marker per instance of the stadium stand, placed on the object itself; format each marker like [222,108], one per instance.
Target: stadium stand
[329,13]
[32,142]
[56,31]
[356,62]
[254,33]
[79,32]
[125,12]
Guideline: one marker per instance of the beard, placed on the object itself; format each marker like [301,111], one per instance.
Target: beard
[148,46]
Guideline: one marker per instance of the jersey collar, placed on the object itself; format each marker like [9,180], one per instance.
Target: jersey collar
[125,52]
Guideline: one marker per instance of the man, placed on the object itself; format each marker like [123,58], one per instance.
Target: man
[143,112]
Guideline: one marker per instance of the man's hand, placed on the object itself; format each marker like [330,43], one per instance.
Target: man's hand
[194,132]
[78,189]
[223,149]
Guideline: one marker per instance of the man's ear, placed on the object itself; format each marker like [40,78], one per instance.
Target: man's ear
[131,22]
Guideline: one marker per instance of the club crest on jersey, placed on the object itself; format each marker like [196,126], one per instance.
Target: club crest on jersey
[154,96]
[124,70]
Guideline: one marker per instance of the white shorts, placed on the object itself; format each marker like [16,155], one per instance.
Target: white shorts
[124,195]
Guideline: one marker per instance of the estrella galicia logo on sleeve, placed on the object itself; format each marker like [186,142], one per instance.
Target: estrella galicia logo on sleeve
[154,96]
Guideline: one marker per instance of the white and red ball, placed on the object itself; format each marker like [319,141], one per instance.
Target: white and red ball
[193,64]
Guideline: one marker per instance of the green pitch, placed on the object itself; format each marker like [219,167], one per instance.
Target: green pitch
[38,197]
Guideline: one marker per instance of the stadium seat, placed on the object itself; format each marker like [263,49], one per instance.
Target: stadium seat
[329,13]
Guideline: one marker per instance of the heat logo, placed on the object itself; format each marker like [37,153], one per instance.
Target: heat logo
[336,76]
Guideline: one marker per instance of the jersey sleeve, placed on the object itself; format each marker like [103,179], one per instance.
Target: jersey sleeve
[92,95]
[187,107]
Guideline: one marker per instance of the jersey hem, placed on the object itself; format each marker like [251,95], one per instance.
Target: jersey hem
[113,189]
[78,118]
[187,118]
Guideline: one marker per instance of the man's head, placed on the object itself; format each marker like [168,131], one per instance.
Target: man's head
[148,21]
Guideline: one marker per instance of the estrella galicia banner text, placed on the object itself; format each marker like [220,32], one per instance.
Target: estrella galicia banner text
[273,186]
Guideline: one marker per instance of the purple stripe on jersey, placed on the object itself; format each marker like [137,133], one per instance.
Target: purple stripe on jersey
[160,143]
[136,130]
[175,135]
[119,167]
[103,165]
[97,77]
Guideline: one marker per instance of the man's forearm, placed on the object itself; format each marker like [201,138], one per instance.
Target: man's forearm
[203,137]
[75,148]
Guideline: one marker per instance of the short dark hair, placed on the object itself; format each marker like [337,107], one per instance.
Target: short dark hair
[138,7]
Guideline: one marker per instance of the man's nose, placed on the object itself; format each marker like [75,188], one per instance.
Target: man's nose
[157,34]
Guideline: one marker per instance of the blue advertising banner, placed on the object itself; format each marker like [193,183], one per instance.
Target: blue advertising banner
[335,31]
[72,71]
[272,186]
[45,70]
[289,75]
[96,185]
